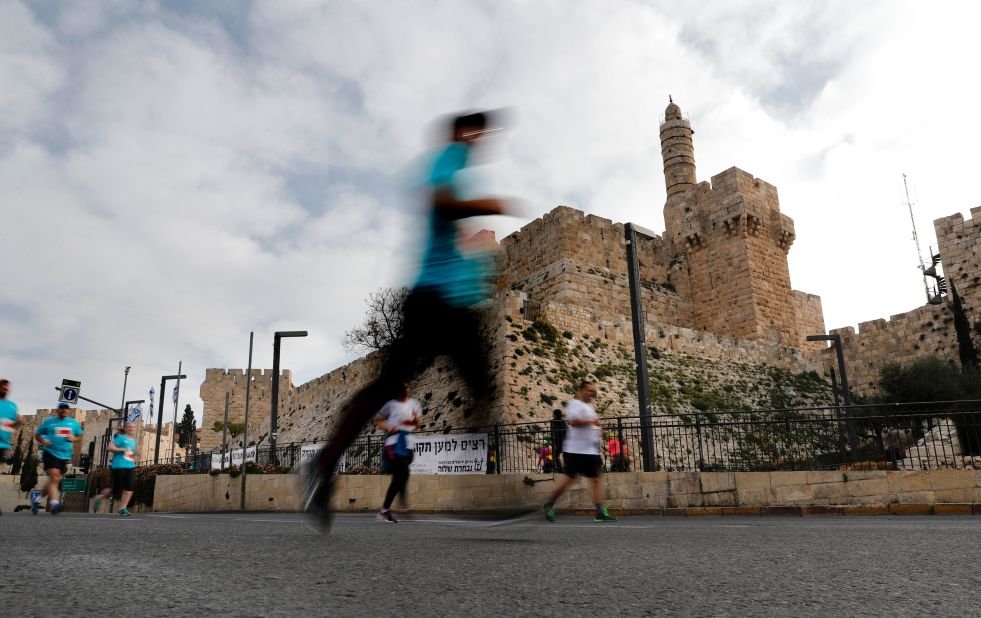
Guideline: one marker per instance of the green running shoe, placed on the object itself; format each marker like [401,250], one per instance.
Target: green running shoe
[549,513]
[124,512]
[604,516]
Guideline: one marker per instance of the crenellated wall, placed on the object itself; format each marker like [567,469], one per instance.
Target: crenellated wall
[217,382]
[926,330]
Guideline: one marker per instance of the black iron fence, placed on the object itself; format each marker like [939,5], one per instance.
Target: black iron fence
[917,436]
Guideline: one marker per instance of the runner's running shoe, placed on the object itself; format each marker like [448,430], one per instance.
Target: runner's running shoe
[124,512]
[549,513]
[386,516]
[316,499]
[604,516]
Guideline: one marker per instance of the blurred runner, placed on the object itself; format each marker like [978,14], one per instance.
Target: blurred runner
[438,314]
[123,449]
[8,423]
[398,418]
[581,452]
[56,435]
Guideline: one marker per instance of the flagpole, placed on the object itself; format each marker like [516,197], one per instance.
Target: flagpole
[155,454]
[177,397]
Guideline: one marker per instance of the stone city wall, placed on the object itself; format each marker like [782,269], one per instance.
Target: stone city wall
[217,382]
[960,252]
[927,330]
[711,492]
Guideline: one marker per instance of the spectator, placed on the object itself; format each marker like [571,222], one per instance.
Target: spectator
[557,429]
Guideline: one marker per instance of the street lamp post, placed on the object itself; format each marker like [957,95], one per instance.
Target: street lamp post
[849,418]
[160,413]
[245,431]
[640,345]
[274,413]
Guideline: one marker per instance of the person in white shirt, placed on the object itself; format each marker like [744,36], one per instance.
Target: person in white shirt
[398,419]
[581,452]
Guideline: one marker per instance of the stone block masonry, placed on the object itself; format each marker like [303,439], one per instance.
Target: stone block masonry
[217,382]
[713,493]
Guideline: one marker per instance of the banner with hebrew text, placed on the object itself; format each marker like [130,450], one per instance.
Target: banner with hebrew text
[461,453]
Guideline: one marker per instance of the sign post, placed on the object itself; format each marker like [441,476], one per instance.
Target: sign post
[70,390]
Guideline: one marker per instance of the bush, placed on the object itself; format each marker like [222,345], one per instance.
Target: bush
[100,479]
[925,379]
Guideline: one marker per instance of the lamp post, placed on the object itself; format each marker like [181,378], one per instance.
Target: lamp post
[849,418]
[245,431]
[630,232]
[160,414]
[274,413]
[123,408]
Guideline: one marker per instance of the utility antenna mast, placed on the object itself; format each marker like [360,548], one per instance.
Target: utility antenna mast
[935,296]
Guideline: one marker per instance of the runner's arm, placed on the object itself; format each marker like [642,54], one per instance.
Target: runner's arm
[41,439]
[452,208]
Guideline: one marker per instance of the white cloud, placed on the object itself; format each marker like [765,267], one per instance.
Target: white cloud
[171,180]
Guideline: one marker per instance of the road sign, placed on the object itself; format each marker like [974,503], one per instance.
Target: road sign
[69,391]
[72,485]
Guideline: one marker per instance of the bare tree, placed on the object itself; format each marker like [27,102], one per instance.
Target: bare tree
[383,323]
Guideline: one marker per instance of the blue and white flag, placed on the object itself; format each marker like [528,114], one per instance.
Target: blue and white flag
[152,392]
[177,388]
[135,413]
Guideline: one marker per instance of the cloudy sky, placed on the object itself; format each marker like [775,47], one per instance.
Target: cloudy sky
[176,174]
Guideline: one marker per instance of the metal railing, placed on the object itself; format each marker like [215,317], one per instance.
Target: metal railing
[915,436]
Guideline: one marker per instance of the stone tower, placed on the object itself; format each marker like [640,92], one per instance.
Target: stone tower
[678,153]
[735,242]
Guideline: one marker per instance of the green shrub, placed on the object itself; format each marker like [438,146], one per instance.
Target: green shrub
[927,379]
[100,479]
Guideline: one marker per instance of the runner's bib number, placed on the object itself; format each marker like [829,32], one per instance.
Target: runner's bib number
[63,432]
[128,455]
[6,424]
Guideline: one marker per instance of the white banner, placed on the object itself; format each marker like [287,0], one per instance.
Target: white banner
[460,453]
[234,456]
[309,454]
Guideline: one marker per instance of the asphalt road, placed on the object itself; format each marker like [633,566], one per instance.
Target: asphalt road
[273,564]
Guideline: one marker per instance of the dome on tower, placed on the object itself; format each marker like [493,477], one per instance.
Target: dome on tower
[672,111]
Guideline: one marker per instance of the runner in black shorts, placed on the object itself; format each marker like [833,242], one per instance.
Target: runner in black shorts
[438,314]
[56,435]
[123,449]
[581,452]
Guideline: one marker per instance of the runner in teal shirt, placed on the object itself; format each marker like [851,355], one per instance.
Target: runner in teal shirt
[8,425]
[8,419]
[56,435]
[60,433]
[123,449]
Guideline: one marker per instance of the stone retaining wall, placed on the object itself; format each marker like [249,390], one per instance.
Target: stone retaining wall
[630,491]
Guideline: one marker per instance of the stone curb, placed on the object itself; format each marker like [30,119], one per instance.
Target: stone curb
[747,511]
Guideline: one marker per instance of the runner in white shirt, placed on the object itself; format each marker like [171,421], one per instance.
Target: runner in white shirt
[581,452]
[398,418]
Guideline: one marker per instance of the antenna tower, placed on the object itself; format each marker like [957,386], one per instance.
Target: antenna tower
[935,296]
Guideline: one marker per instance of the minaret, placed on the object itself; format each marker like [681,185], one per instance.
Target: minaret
[677,151]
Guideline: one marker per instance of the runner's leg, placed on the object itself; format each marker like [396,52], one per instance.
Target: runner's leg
[400,367]
[400,477]
[465,343]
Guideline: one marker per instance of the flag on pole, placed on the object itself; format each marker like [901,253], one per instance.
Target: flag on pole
[176,391]
[151,399]
[135,413]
